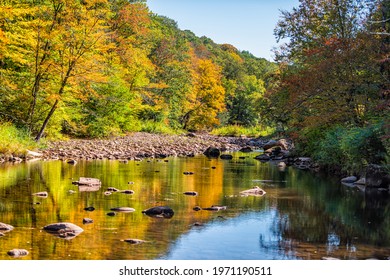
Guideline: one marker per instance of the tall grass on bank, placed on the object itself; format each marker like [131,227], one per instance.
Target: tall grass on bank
[14,141]
[158,128]
[236,131]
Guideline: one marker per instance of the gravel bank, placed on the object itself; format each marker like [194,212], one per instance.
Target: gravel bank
[143,145]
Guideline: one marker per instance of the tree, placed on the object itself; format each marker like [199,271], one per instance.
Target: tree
[207,99]
[246,107]
[79,40]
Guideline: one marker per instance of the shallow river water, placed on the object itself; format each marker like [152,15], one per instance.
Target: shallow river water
[303,215]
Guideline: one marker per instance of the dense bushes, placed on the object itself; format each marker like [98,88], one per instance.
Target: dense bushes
[345,148]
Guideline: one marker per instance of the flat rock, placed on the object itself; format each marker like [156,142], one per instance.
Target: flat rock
[63,230]
[255,191]
[123,209]
[85,181]
[5,227]
[17,253]
[41,194]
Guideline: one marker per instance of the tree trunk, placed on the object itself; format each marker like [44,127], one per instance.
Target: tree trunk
[53,108]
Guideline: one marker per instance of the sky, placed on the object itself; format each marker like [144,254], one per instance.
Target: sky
[246,24]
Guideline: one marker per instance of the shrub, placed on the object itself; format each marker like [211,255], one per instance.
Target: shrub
[350,149]
[237,130]
[157,128]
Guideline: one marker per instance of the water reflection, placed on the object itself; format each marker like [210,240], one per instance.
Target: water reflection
[301,216]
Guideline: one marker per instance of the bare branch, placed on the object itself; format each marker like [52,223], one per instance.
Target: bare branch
[379,21]
[380,33]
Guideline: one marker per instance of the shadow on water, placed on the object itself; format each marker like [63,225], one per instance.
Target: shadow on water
[302,216]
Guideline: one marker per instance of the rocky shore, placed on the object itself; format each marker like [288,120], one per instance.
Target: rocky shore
[144,145]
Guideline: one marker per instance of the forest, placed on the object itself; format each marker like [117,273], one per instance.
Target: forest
[102,68]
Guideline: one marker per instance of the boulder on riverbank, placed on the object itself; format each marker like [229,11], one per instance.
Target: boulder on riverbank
[212,152]
[377,177]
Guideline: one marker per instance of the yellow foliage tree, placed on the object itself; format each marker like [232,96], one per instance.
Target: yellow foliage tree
[207,98]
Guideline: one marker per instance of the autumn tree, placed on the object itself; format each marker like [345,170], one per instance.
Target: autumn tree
[207,99]
[332,75]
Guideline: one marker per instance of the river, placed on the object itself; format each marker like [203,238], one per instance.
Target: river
[303,215]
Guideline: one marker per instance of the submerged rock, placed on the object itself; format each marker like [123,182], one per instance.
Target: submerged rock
[159,212]
[215,208]
[134,241]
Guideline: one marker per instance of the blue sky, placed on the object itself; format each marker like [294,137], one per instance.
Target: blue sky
[246,24]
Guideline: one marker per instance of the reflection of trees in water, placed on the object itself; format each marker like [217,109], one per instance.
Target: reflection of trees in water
[331,225]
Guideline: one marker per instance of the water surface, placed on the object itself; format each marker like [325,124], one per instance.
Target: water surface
[302,216]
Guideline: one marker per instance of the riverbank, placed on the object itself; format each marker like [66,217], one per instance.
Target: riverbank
[144,145]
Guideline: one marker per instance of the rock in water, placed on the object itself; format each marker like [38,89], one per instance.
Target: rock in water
[123,209]
[159,212]
[16,253]
[224,156]
[41,194]
[5,227]
[215,208]
[212,152]
[87,221]
[191,193]
[84,181]
[63,230]
[134,241]
[255,191]
[127,191]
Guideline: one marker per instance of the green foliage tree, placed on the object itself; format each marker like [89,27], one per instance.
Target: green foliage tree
[332,73]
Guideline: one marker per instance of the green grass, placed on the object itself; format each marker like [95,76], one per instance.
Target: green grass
[14,141]
[236,130]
